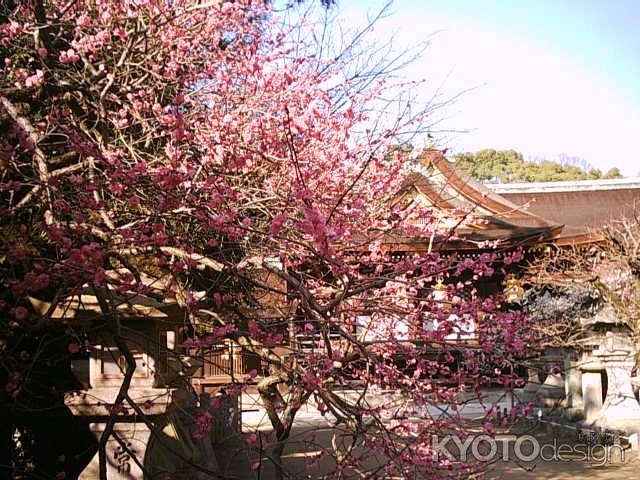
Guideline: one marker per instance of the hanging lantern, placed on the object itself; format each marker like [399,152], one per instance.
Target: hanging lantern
[439,291]
[513,290]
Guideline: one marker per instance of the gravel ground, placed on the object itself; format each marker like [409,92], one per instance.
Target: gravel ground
[614,463]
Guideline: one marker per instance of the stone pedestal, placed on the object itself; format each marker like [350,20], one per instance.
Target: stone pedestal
[620,409]
[533,385]
[552,392]
[591,394]
[572,384]
[120,464]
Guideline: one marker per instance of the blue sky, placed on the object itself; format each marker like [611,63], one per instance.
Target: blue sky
[545,77]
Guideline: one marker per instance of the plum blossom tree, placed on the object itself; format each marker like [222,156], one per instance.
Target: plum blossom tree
[200,143]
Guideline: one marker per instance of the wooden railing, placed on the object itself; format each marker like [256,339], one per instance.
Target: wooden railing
[228,361]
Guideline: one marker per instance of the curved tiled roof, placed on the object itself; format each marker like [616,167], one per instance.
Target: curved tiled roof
[445,189]
[516,214]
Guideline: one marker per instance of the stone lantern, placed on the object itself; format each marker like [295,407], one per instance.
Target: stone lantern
[620,410]
[152,338]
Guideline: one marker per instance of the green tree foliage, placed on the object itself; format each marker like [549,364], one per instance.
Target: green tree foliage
[613,173]
[507,166]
